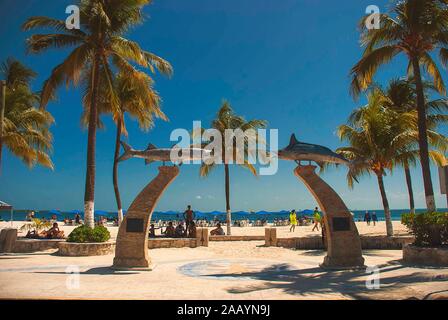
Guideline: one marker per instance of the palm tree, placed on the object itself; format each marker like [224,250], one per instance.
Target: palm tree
[99,48]
[227,119]
[400,96]
[25,127]
[415,28]
[139,100]
[375,135]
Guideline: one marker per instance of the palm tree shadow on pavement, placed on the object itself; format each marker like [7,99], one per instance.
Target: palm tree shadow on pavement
[352,284]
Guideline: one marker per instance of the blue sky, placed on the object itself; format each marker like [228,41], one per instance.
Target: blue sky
[284,61]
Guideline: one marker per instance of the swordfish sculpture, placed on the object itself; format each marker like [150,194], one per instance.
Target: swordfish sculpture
[300,151]
[152,153]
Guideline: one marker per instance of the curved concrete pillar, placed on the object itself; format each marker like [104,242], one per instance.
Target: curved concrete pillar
[343,243]
[131,251]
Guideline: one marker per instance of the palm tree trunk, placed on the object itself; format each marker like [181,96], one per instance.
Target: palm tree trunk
[115,171]
[389,227]
[423,137]
[229,214]
[89,195]
[407,172]
[2,117]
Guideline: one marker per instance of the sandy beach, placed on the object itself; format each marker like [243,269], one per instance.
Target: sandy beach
[282,232]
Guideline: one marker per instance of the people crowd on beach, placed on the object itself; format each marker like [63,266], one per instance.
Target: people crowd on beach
[186,224]
[370,217]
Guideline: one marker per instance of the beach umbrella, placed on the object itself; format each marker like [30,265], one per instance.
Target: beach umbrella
[201,215]
[103,213]
[55,212]
[75,212]
[5,206]
[307,212]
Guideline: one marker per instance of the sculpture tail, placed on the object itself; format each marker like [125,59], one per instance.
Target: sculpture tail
[128,152]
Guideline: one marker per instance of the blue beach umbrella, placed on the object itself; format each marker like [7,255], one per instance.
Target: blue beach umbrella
[103,213]
[201,215]
[55,212]
[75,212]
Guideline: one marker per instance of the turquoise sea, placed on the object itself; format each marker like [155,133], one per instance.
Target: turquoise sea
[20,215]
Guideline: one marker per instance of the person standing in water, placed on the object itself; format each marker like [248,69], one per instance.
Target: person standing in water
[316,219]
[293,220]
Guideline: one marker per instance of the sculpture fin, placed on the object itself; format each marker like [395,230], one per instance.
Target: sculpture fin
[151,147]
[127,152]
[293,140]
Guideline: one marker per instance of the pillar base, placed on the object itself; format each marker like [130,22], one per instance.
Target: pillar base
[130,263]
[352,263]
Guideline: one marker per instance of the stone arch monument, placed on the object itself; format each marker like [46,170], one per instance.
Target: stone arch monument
[343,242]
[131,249]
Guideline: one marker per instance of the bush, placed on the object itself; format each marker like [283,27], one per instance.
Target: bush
[84,234]
[100,234]
[429,229]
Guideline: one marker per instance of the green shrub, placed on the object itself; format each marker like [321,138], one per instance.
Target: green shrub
[100,234]
[84,234]
[429,229]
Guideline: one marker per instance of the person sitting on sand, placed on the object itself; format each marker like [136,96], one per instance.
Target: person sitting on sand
[293,220]
[180,230]
[53,232]
[170,231]
[218,231]
[192,230]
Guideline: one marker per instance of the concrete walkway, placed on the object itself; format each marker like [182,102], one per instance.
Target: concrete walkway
[240,270]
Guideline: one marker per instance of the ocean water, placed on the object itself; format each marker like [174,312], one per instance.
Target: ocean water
[20,215]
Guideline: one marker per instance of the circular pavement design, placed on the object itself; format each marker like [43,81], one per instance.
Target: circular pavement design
[238,269]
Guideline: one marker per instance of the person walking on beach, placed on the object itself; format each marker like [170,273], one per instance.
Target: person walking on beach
[293,220]
[367,218]
[188,216]
[317,219]
[374,218]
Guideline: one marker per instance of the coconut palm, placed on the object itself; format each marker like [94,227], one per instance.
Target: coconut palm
[98,48]
[25,127]
[375,137]
[226,119]
[400,96]
[139,100]
[415,28]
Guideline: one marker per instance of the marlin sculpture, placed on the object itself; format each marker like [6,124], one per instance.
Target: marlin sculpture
[152,153]
[300,151]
